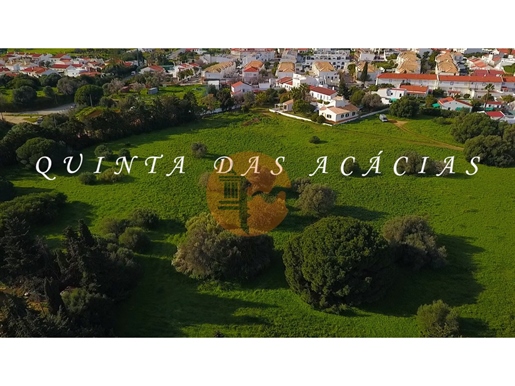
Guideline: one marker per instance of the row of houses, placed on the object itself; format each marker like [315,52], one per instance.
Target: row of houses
[466,84]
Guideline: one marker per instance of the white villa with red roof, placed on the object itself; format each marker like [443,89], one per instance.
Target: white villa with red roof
[322,93]
[240,88]
[450,103]
[250,73]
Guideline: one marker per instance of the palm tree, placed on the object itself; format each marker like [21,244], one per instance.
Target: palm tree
[489,87]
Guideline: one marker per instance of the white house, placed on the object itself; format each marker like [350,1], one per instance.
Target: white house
[450,103]
[285,82]
[428,80]
[152,69]
[285,106]
[467,84]
[298,79]
[250,73]
[366,56]
[240,88]
[324,71]
[339,114]
[407,63]
[372,71]
[389,95]
[322,93]
[219,71]
[285,69]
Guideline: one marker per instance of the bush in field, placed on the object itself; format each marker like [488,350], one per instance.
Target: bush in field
[317,200]
[204,180]
[109,176]
[211,252]
[35,148]
[314,139]
[199,150]
[109,225]
[104,151]
[125,153]
[87,178]
[299,184]
[414,243]
[135,239]
[437,320]
[144,218]
[351,167]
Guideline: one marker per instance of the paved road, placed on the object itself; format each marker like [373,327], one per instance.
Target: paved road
[21,116]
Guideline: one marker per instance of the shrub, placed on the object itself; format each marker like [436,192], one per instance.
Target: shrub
[104,151]
[437,320]
[338,262]
[321,119]
[204,180]
[351,167]
[6,190]
[87,178]
[199,150]
[414,164]
[135,239]
[211,252]
[108,176]
[125,153]
[492,150]
[314,117]
[35,148]
[316,200]
[144,218]
[414,243]
[299,184]
[36,208]
[314,139]
[109,225]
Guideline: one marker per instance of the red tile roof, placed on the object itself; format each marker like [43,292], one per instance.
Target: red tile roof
[407,76]
[237,84]
[63,66]
[487,72]
[414,89]
[451,99]
[509,79]
[323,90]
[286,79]
[471,78]
[494,114]
[251,69]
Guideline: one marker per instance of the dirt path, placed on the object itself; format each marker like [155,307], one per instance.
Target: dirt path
[425,139]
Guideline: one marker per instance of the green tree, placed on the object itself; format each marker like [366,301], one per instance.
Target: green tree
[24,96]
[489,88]
[468,126]
[49,92]
[437,320]
[357,97]
[364,73]
[338,262]
[211,252]
[88,95]
[405,107]
[198,149]
[343,90]
[371,101]
[491,149]
[144,218]
[317,200]
[67,86]
[414,243]
[35,148]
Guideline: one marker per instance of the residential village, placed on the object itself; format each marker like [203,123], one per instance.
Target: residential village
[458,78]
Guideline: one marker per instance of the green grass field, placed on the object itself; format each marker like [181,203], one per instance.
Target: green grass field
[473,216]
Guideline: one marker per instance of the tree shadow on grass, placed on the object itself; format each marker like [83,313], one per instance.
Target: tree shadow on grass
[454,284]
[22,191]
[358,212]
[165,302]
[472,327]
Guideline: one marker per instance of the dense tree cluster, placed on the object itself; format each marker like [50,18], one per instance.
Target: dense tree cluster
[211,252]
[133,117]
[492,141]
[77,283]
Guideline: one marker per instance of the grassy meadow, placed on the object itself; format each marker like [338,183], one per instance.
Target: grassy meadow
[472,215]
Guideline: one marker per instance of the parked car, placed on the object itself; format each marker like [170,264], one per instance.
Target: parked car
[383,118]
